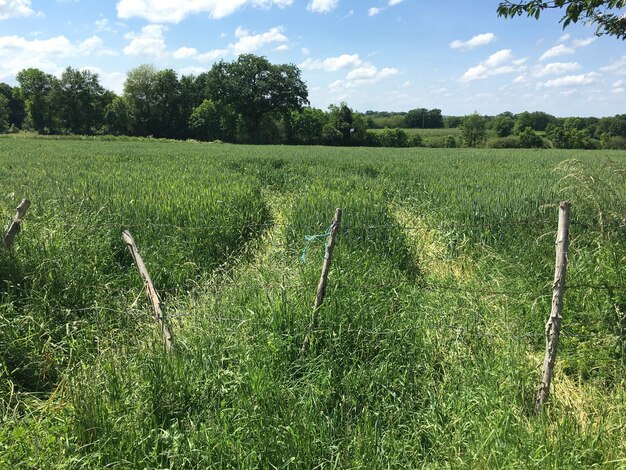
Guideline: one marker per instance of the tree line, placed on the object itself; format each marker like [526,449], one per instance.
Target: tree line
[542,130]
[420,118]
[251,100]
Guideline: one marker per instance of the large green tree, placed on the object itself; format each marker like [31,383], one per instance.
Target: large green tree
[537,120]
[118,117]
[255,88]
[81,101]
[193,91]
[36,90]
[154,102]
[205,121]
[607,15]
[503,124]
[423,118]
[4,114]
[166,108]
[473,130]
[342,119]
[308,125]
[139,92]
[15,104]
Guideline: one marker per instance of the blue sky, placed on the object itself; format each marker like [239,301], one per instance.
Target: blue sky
[390,55]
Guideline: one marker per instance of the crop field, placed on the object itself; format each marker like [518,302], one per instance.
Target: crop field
[436,137]
[427,133]
[428,347]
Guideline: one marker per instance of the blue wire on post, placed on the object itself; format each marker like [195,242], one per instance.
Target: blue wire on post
[310,239]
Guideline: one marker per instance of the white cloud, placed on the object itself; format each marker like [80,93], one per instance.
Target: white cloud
[557,51]
[562,49]
[501,62]
[476,41]
[336,85]
[572,80]
[366,74]
[618,67]
[564,38]
[150,42]
[241,32]
[113,81]
[504,55]
[103,25]
[192,70]
[174,11]
[305,51]
[375,11]
[282,47]
[212,55]
[17,53]
[322,6]
[14,8]
[332,64]
[583,42]
[619,87]
[185,53]
[555,68]
[248,43]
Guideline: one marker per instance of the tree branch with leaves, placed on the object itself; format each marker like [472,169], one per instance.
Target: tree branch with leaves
[608,15]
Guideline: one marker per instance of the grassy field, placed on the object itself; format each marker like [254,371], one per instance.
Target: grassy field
[426,133]
[428,347]
[436,137]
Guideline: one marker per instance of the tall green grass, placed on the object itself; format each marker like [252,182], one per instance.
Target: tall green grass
[429,341]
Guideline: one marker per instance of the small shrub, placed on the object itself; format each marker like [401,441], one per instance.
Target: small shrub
[616,142]
[450,142]
[530,139]
[372,140]
[510,142]
[416,140]
[330,135]
[394,138]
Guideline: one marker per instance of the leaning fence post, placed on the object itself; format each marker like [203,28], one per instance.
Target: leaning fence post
[321,287]
[153,295]
[553,326]
[16,224]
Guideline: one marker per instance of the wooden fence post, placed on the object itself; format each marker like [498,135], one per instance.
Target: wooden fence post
[153,295]
[321,287]
[553,326]
[16,224]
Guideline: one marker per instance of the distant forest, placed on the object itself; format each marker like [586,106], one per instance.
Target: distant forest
[251,100]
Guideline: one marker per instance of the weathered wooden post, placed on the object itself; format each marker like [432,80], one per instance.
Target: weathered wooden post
[16,224]
[553,326]
[153,295]
[321,287]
